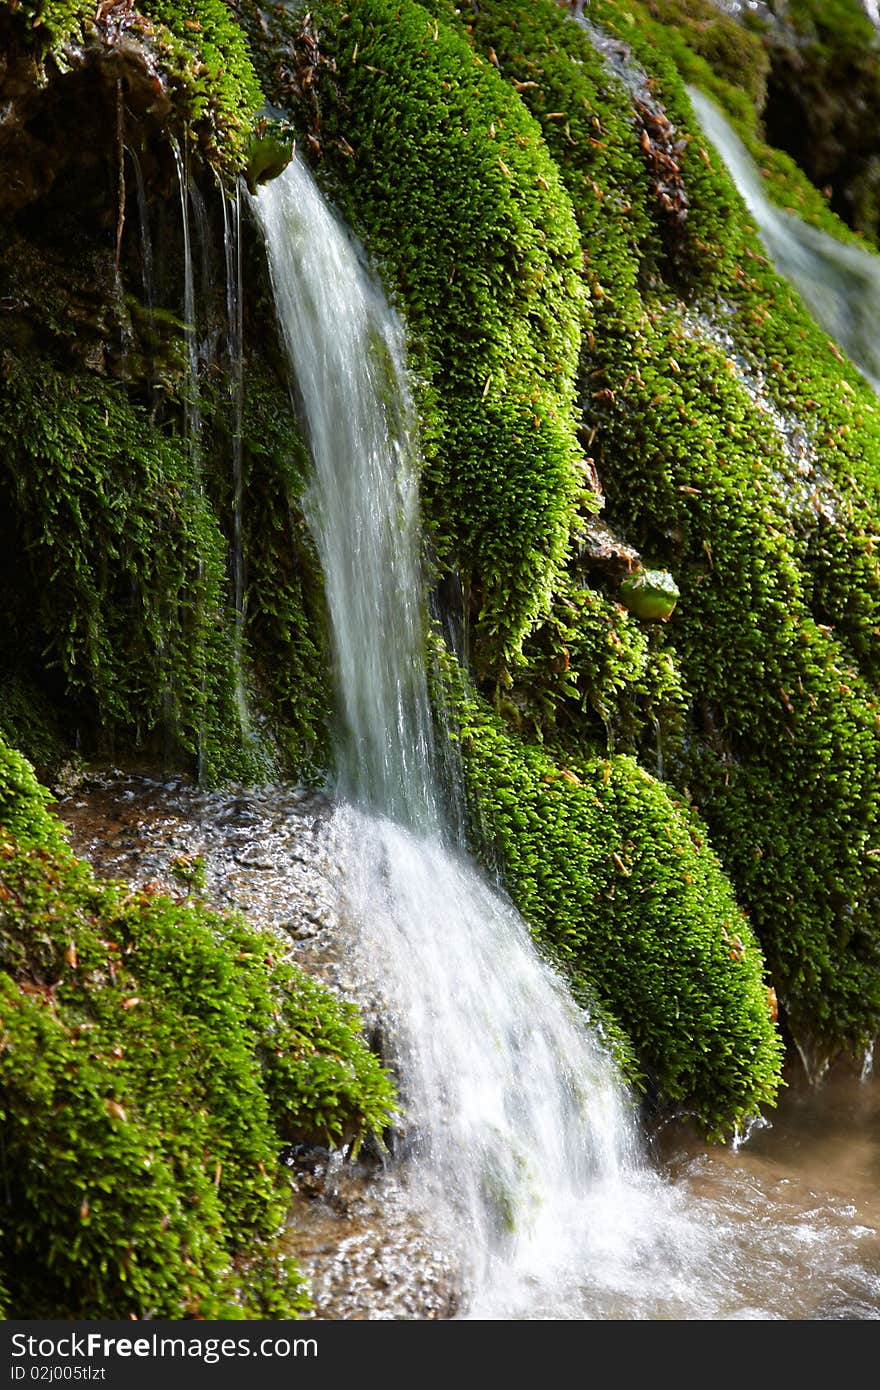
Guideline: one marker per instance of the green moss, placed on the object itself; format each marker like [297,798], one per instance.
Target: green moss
[28,721]
[156,1057]
[594,677]
[840,27]
[788,708]
[786,775]
[218,88]
[616,877]
[776,632]
[122,565]
[730,64]
[731,51]
[202,56]
[439,167]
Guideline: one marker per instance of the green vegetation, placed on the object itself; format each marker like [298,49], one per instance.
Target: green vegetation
[155,1060]
[201,53]
[777,628]
[122,563]
[733,64]
[585,300]
[616,877]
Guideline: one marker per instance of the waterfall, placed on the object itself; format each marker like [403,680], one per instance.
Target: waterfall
[511,1104]
[519,1139]
[838,281]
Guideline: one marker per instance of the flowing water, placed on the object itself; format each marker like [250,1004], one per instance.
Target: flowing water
[839,282]
[518,1142]
[193,410]
[510,1103]
[232,253]
[783,1225]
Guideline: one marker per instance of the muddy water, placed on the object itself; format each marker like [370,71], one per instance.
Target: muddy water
[794,1211]
[807,1184]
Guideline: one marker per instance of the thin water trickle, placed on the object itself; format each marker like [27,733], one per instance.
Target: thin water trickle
[193,416]
[193,411]
[517,1136]
[839,282]
[235,353]
[147,276]
[867,1072]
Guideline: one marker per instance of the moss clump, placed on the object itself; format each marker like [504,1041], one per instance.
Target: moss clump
[732,52]
[139,601]
[616,877]
[156,1057]
[214,84]
[122,563]
[593,677]
[785,766]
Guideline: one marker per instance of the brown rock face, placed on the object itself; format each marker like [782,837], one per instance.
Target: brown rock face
[58,113]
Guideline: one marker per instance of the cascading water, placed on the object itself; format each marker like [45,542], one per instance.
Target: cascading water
[519,1137]
[193,411]
[839,282]
[509,1100]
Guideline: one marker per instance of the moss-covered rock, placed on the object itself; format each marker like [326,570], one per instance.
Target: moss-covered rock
[179,65]
[104,522]
[156,1058]
[696,474]
[616,877]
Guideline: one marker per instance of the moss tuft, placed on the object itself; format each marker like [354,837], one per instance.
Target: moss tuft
[616,877]
[156,1059]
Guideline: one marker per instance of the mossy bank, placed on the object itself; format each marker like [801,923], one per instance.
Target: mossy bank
[157,1058]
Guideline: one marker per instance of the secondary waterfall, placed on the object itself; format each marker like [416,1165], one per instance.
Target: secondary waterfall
[839,282]
[519,1138]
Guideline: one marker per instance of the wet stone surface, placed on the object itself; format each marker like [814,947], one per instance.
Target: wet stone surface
[359,1237]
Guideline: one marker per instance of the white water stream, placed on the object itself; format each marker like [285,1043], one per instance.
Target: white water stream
[518,1135]
[838,281]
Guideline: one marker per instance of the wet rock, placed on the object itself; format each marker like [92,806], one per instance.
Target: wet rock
[362,1240]
[77,92]
[603,552]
